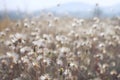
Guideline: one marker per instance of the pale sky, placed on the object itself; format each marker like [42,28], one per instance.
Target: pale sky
[32,5]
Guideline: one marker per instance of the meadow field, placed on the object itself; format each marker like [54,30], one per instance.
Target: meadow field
[49,47]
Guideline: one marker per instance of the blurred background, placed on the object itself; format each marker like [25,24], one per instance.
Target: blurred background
[15,9]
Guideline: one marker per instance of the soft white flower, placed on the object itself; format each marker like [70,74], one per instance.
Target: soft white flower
[113,72]
[39,43]
[45,77]
[24,49]
[59,62]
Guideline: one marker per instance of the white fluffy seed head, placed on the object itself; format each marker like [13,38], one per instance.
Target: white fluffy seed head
[102,35]
[74,25]
[2,34]
[118,76]
[105,66]
[101,45]
[113,72]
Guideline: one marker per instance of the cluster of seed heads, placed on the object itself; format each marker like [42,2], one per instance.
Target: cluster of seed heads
[60,48]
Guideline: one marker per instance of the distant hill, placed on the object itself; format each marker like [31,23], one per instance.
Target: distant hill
[77,9]
[84,9]
[71,7]
[112,10]
[12,15]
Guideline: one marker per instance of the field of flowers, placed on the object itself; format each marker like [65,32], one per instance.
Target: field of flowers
[60,48]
